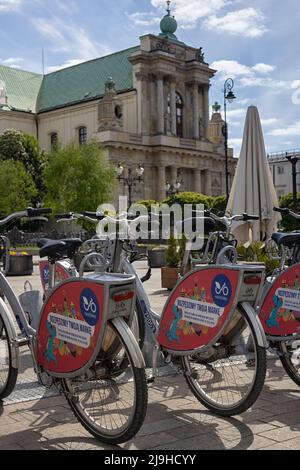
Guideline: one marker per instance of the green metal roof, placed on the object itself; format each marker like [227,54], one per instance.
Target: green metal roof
[28,91]
[86,81]
[22,88]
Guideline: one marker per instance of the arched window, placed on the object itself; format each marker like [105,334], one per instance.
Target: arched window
[82,135]
[53,140]
[179,113]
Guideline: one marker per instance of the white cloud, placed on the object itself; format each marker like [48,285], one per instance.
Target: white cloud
[263,68]
[293,130]
[237,113]
[247,22]
[269,122]
[144,19]
[70,37]
[9,5]
[13,62]
[235,69]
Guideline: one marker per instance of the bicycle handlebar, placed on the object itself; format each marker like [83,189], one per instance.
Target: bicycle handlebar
[94,215]
[31,212]
[287,211]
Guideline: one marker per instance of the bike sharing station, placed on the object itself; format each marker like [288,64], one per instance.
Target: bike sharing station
[84,329]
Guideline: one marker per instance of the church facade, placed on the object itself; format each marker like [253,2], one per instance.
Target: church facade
[146,105]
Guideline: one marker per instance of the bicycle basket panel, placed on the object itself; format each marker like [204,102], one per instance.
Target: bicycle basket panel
[280,311]
[70,326]
[198,308]
[61,273]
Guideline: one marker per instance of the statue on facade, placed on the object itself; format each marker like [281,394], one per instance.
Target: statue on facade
[201,128]
[200,55]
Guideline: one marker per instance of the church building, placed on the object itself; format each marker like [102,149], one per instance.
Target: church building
[146,105]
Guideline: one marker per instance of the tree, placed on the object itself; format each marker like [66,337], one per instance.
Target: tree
[78,178]
[24,148]
[17,188]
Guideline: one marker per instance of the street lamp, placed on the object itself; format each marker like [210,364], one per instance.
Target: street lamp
[294,161]
[173,189]
[131,179]
[230,97]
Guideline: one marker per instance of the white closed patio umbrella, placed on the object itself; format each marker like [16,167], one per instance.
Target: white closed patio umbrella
[253,191]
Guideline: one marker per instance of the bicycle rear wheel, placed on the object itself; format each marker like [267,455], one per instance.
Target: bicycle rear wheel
[8,374]
[290,360]
[111,403]
[229,381]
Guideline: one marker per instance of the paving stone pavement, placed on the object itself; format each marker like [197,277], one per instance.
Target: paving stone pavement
[175,420]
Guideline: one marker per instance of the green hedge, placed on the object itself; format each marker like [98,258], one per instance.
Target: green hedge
[216,204]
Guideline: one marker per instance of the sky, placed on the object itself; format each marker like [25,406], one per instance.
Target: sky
[254,42]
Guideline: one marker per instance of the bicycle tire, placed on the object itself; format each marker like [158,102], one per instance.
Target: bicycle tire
[287,363]
[8,378]
[235,388]
[139,394]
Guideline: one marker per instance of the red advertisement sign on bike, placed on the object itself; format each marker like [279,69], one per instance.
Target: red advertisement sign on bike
[280,311]
[61,274]
[198,309]
[70,327]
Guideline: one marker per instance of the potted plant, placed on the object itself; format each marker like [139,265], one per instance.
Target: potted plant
[157,257]
[170,272]
[18,264]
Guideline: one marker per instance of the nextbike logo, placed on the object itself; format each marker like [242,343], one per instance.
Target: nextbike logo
[89,307]
[46,274]
[221,290]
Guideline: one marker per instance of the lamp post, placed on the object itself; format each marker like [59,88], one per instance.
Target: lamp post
[172,189]
[230,97]
[131,179]
[294,161]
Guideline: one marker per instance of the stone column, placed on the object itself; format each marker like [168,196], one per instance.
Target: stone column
[144,104]
[197,181]
[207,187]
[161,183]
[173,107]
[153,101]
[160,105]
[196,133]
[206,109]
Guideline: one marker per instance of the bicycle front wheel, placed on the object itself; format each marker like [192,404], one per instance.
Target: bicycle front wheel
[229,380]
[290,359]
[111,401]
[8,374]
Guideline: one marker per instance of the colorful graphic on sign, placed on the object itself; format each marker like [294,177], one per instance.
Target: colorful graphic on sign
[280,312]
[66,340]
[198,308]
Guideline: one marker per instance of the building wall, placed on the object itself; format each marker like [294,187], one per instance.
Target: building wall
[282,176]
[23,122]
[66,122]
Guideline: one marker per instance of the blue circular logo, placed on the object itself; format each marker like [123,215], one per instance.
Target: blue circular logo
[89,307]
[221,290]
[46,274]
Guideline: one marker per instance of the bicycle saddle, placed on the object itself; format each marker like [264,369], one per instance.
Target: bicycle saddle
[286,239]
[57,249]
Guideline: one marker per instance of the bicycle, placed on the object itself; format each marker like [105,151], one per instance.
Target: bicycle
[80,344]
[279,317]
[225,377]
[280,314]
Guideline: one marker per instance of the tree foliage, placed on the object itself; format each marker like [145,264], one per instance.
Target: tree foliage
[78,178]
[289,224]
[24,148]
[17,188]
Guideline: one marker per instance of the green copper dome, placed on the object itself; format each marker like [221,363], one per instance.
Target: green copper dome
[168,25]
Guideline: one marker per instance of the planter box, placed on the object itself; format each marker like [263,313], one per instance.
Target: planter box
[20,265]
[169,277]
[157,258]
